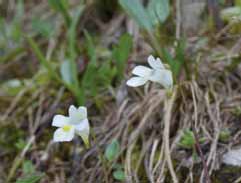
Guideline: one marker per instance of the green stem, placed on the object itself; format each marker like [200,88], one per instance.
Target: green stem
[155,43]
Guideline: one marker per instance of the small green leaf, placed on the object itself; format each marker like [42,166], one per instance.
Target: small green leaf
[28,167]
[112,150]
[224,135]
[42,27]
[33,178]
[119,175]
[121,53]
[20,144]
[187,140]
[66,72]
[136,10]
[158,10]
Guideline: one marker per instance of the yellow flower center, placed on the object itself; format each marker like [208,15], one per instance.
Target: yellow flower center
[66,128]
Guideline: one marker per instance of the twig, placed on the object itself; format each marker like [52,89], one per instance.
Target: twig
[198,147]
[19,159]
[153,153]
[197,144]
[14,103]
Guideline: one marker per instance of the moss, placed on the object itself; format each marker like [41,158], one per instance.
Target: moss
[9,136]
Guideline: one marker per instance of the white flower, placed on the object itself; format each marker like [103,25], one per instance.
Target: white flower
[157,73]
[75,123]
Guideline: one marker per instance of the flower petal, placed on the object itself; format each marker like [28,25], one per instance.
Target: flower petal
[167,80]
[82,127]
[83,111]
[142,71]
[155,63]
[163,77]
[63,136]
[60,120]
[83,130]
[72,110]
[77,115]
[136,81]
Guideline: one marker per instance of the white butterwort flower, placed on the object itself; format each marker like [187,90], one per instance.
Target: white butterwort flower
[157,73]
[75,123]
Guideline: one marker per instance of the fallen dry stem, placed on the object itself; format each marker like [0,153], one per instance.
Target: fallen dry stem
[207,178]
[166,135]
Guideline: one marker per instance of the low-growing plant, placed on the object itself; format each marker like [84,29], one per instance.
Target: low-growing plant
[156,13]
[188,140]
[224,135]
[111,153]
